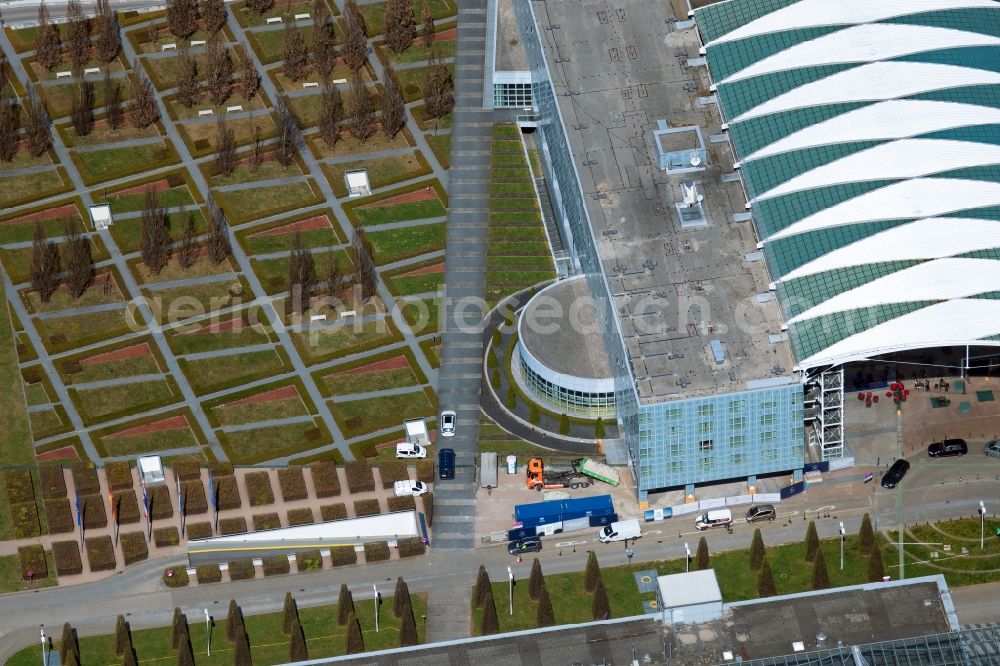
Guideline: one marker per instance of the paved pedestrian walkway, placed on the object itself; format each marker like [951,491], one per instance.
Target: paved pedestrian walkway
[448,614]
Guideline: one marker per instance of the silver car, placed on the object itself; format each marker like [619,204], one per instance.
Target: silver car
[993,449]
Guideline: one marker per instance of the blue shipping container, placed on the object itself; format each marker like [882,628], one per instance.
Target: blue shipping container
[543,513]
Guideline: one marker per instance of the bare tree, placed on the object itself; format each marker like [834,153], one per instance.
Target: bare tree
[400,29]
[39,127]
[218,69]
[44,264]
[301,274]
[288,133]
[213,13]
[82,108]
[427,31]
[219,246]
[258,7]
[296,58]
[333,278]
[112,101]
[107,41]
[182,18]
[79,262]
[258,148]
[188,254]
[154,239]
[355,42]
[186,77]
[324,53]
[48,48]
[143,111]
[77,36]
[393,105]
[10,118]
[249,78]
[330,115]
[439,97]
[362,110]
[365,275]
[225,147]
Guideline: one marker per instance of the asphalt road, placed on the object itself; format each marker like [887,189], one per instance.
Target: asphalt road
[92,608]
[26,11]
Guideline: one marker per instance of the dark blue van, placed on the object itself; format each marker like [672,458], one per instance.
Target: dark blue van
[446,463]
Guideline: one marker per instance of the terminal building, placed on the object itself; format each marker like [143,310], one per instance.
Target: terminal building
[770,203]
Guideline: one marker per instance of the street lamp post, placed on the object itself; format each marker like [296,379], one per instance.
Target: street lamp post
[843,536]
[375,587]
[45,659]
[982,526]
[208,632]
[687,560]
[510,587]
[629,553]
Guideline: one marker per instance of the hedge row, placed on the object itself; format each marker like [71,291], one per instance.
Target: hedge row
[221,470]
[300,517]
[134,547]
[228,493]
[293,484]
[427,499]
[101,554]
[119,475]
[209,573]
[161,506]
[402,504]
[66,555]
[187,470]
[376,551]
[241,570]
[199,530]
[127,507]
[164,537]
[308,560]
[391,471]
[366,507]
[343,555]
[425,471]
[410,547]
[32,560]
[53,482]
[266,521]
[25,519]
[178,577]
[359,476]
[19,487]
[232,526]
[325,479]
[94,514]
[58,516]
[85,479]
[259,490]
[276,566]
[195,500]
[336,511]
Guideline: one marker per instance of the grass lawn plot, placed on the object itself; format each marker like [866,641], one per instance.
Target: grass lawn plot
[261,405]
[273,273]
[441,145]
[17,262]
[443,46]
[285,11]
[424,278]
[11,579]
[212,374]
[268,643]
[252,447]
[100,404]
[374,13]
[432,350]
[16,189]
[321,344]
[269,169]
[356,417]
[127,232]
[315,229]
[171,189]
[381,171]
[412,204]
[49,422]
[24,159]
[392,369]
[179,303]
[102,290]
[59,98]
[264,201]
[20,227]
[239,331]
[15,435]
[132,358]
[422,314]
[201,137]
[270,44]
[103,133]
[158,433]
[412,81]
[174,271]
[396,244]
[347,145]
[97,166]
[65,333]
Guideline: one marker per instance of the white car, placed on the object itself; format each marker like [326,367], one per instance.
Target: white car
[407,450]
[409,488]
[448,419]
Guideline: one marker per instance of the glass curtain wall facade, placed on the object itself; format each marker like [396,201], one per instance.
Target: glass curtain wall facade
[666,440]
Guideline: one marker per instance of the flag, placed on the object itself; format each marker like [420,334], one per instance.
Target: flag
[869,476]
[79,515]
[211,491]
[111,501]
[145,500]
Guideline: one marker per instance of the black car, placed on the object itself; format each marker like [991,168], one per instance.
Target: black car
[949,447]
[895,473]
[446,463]
[761,512]
[526,545]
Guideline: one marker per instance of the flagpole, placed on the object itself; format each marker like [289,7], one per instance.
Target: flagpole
[114,516]
[79,519]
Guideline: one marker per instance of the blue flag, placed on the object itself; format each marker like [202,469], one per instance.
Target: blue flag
[211,490]
[79,518]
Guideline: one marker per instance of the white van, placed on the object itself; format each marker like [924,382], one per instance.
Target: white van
[714,518]
[410,450]
[621,531]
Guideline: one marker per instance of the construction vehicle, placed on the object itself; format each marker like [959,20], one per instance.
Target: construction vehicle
[578,476]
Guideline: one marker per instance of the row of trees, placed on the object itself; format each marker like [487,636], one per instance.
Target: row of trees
[156,246]
[50,267]
[84,38]
[185,16]
[37,130]
[304,280]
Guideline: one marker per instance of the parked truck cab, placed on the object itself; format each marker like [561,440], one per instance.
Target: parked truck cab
[620,531]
